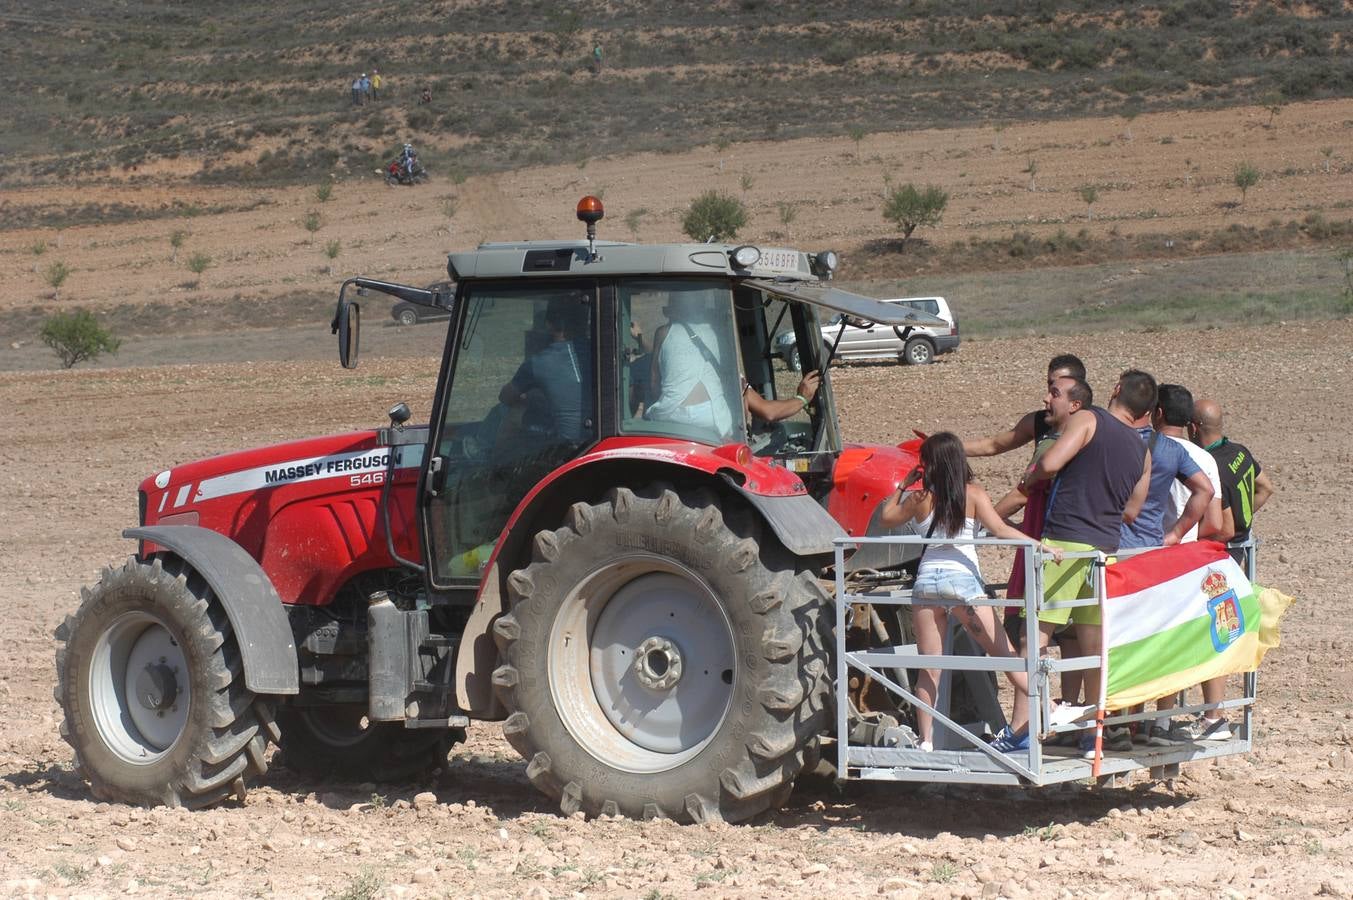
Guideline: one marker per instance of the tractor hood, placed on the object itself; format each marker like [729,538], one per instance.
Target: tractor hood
[322,462]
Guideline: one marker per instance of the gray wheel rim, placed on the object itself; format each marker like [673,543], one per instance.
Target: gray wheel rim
[642,664]
[408,317]
[139,688]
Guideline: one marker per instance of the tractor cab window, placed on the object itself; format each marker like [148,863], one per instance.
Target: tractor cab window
[679,372]
[780,342]
[522,402]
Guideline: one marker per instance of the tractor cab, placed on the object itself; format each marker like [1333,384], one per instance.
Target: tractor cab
[570,350]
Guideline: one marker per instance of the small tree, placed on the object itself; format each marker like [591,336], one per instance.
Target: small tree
[331,250]
[1089,194]
[55,276]
[857,135]
[999,128]
[909,207]
[747,181]
[450,206]
[323,191]
[78,336]
[1274,103]
[1247,176]
[198,263]
[1031,169]
[714,216]
[1327,152]
[39,247]
[176,239]
[312,223]
[788,213]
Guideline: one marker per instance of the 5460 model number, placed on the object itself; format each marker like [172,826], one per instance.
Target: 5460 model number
[366,478]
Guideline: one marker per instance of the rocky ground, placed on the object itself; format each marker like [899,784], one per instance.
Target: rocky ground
[1274,823]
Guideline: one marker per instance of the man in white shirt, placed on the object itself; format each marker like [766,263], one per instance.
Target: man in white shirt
[1174,410]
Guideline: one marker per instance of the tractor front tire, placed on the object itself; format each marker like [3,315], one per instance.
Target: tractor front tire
[322,741]
[150,680]
[664,658]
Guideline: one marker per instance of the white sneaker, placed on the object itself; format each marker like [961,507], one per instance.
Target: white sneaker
[1211,730]
[925,746]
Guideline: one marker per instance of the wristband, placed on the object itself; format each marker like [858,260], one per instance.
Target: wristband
[802,399]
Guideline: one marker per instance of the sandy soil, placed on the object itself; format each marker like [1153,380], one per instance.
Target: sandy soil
[1276,823]
[1160,173]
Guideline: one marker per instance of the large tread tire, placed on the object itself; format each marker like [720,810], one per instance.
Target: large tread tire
[225,732]
[777,622]
[322,742]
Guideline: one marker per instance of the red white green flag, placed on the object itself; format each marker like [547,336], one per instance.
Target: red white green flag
[1181,615]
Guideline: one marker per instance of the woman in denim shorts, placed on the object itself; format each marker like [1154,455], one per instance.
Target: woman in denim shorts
[950,504]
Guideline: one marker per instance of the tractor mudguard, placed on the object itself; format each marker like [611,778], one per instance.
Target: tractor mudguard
[799,521]
[250,600]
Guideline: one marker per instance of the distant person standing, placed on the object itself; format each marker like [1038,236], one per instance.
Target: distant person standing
[427,95]
[366,88]
[376,84]
[357,91]
[596,59]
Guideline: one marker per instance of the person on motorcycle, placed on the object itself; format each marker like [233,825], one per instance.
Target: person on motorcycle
[408,157]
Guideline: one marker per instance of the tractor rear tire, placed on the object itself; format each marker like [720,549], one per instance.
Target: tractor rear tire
[321,741]
[152,686]
[664,658]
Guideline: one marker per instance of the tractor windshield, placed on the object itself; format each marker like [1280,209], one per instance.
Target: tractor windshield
[680,375]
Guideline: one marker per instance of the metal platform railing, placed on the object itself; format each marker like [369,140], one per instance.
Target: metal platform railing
[961,752]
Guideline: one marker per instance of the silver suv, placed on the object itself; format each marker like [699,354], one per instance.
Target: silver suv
[867,341]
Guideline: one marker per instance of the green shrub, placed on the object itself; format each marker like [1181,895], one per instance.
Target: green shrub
[55,276]
[1246,177]
[323,191]
[78,336]
[909,207]
[714,216]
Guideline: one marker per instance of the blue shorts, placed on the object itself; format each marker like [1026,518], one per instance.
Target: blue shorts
[947,585]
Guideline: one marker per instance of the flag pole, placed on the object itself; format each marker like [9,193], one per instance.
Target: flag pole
[1101,595]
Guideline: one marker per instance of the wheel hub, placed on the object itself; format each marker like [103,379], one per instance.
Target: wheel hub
[657,663]
[642,664]
[156,687]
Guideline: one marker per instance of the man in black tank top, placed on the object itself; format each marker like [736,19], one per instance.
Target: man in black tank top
[1031,426]
[1102,470]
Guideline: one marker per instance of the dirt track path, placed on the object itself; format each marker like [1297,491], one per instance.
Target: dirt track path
[1274,824]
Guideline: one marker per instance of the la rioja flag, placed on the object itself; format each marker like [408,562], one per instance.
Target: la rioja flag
[1179,616]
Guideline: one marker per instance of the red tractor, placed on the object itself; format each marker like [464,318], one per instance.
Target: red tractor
[591,541]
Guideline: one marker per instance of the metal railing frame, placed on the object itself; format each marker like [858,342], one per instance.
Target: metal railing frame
[947,765]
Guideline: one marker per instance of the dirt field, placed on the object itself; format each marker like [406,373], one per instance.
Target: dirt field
[1277,823]
[1162,173]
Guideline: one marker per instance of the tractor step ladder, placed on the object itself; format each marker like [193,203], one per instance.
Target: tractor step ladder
[962,754]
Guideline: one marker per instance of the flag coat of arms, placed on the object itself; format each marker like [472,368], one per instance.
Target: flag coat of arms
[1180,615]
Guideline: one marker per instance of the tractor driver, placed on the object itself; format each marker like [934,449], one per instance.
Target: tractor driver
[561,371]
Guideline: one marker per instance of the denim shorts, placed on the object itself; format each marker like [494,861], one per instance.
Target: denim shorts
[947,585]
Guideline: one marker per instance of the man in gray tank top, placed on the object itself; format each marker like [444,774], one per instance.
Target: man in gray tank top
[1102,470]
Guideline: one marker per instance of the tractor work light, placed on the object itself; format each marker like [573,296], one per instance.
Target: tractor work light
[825,263]
[745,257]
